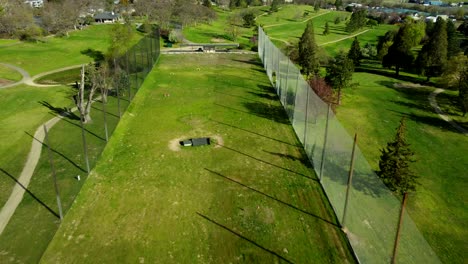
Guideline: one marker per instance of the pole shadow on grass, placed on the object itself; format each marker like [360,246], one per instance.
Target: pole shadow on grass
[61,111]
[255,133]
[244,238]
[79,126]
[237,96]
[58,153]
[30,193]
[108,113]
[273,198]
[269,163]
[270,112]
[303,159]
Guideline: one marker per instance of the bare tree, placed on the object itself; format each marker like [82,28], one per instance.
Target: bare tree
[84,107]
[15,16]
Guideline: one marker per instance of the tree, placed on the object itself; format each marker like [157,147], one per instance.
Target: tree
[249,19]
[120,40]
[326,31]
[15,17]
[453,42]
[456,77]
[357,21]
[384,43]
[399,53]
[433,56]
[339,4]
[394,163]
[274,5]
[308,51]
[88,75]
[340,73]
[355,52]
[463,92]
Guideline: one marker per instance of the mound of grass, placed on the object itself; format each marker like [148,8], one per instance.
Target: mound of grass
[249,197]
[63,77]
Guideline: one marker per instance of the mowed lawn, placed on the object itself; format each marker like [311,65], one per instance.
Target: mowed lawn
[251,196]
[373,109]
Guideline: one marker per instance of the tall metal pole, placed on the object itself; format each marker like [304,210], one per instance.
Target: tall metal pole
[306,122]
[51,160]
[324,147]
[350,179]
[85,148]
[400,224]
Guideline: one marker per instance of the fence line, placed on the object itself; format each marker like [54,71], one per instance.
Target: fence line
[372,209]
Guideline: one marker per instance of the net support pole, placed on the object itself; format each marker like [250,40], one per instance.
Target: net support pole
[104,112]
[54,176]
[306,121]
[324,147]
[350,180]
[128,74]
[286,83]
[400,224]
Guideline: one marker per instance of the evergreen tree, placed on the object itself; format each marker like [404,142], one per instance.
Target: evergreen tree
[340,73]
[339,4]
[355,52]
[274,5]
[394,163]
[399,53]
[308,51]
[357,21]
[433,56]
[463,92]
[327,29]
[453,42]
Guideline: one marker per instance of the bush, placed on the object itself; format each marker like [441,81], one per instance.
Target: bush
[32,33]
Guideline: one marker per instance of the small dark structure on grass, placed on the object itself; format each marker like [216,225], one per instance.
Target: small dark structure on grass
[193,142]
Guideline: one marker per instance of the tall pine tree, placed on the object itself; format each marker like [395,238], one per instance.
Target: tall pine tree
[394,163]
[453,42]
[433,56]
[308,51]
[355,52]
[326,31]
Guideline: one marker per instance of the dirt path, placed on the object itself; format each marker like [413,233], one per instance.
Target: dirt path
[338,40]
[433,102]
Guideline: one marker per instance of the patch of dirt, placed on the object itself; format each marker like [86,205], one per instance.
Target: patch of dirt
[5,82]
[174,145]
[407,85]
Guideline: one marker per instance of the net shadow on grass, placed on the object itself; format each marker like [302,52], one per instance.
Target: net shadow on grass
[58,153]
[273,198]
[263,113]
[79,126]
[107,112]
[255,133]
[269,163]
[434,121]
[30,193]
[304,160]
[244,238]
[268,111]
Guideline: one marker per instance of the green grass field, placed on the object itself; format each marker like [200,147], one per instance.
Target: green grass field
[373,110]
[250,196]
[9,74]
[60,52]
[63,77]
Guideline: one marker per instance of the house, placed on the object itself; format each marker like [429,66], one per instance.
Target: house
[106,17]
[434,18]
[35,3]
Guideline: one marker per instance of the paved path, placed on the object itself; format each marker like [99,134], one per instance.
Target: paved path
[433,102]
[338,40]
[27,79]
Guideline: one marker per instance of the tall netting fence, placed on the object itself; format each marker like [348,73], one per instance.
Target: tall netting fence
[372,213]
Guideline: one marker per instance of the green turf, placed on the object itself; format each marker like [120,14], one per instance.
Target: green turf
[22,112]
[56,52]
[9,74]
[39,205]
[63,77]
[373,110]
[254,199]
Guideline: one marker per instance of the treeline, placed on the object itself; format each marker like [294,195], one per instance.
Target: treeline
[20,20]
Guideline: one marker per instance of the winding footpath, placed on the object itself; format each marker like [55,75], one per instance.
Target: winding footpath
[433,103]
[34,154]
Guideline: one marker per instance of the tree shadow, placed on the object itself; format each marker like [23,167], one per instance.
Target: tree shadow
[268,111]
[303,159]
[267,96]
[255,133]
[61,111]
[58,153]
[244,238]
[385,73]
[96,55]
[237,96]
[269,163]
[273,198]
[255,62]
[30,193]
